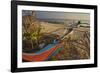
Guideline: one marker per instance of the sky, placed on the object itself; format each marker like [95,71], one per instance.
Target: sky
[62,15]
[59,15]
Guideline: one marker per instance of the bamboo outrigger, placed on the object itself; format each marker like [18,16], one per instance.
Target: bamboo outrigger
[47,52]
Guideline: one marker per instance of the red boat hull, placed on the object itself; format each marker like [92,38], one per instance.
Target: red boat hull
[42,56]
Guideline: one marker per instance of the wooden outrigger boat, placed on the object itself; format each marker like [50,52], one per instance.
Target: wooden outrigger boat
[46,52]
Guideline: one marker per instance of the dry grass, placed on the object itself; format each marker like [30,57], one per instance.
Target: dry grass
[75,48]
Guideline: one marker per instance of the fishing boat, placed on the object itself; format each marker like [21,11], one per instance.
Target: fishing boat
[45,53]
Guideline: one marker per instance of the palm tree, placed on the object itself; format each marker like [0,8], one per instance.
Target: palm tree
[32,29]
